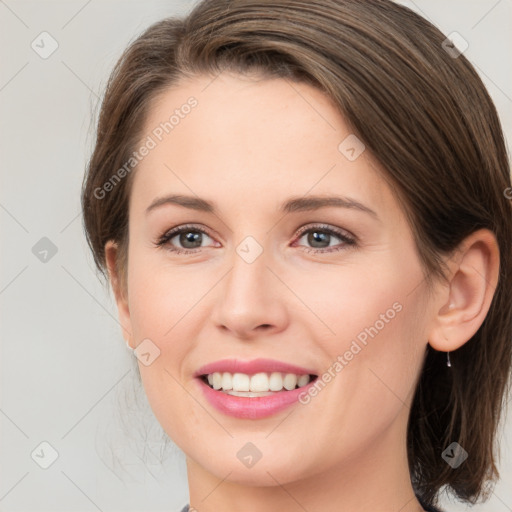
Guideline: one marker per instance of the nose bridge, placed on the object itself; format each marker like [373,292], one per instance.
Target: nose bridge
[248,298]
[247,282]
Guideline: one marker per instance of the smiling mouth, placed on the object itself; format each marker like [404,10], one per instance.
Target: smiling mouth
[256,385]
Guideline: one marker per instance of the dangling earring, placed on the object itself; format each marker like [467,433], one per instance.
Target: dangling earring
[448,362]
[128,345]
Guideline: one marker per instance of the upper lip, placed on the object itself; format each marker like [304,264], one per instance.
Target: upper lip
[251,367]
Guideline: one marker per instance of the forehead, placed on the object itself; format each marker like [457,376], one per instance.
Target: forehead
[243,139]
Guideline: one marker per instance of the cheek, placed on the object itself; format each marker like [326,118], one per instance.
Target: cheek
[376,354]
[167,306]
[163,297]
[375,315]
[367,299]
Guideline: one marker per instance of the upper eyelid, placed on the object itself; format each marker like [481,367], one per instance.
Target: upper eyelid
[337,231]
[179,229]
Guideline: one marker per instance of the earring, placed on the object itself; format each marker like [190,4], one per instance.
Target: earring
[128,345]
[448,362]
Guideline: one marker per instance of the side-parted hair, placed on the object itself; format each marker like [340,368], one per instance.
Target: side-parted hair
[423,113]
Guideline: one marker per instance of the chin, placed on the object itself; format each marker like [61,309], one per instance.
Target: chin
[264,473]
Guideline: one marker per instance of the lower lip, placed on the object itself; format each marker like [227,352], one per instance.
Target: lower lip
[252,408]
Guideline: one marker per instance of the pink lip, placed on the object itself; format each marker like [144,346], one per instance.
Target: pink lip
[252,408]
[256,407]
[251,367]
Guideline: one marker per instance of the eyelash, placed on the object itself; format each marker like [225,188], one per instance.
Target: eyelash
[187,228]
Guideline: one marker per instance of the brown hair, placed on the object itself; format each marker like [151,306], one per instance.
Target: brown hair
[423,113]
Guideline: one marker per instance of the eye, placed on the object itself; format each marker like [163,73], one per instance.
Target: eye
[190,237]
[320,237]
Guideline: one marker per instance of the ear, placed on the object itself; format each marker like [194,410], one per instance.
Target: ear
[464,304]
[111,257]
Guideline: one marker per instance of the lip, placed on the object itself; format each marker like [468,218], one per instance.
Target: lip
[252,408]
[252,367]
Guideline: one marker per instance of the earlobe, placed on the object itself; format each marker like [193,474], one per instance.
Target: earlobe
[474,271]
[111,256]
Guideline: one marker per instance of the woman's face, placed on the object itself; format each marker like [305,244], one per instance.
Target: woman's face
[336,289]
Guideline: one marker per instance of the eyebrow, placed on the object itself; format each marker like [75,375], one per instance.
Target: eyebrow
[294,204]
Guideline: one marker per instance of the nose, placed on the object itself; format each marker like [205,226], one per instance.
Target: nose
[251,300]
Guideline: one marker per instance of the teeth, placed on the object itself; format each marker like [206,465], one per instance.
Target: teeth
[241,382]
[227,381]
[248,394]
[290,381]
[275,381]
[303,380]
[259,384]
[217,380]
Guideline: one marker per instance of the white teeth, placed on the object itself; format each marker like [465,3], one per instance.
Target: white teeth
[290,381]
[241,382]
[249,394]
[275,382]
[217,380]
[227,381]
[259,384]
[302,380]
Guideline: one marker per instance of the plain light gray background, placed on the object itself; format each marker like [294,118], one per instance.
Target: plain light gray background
[66,377]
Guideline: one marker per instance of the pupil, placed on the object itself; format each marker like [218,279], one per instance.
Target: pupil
[315,235]
[190,237]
